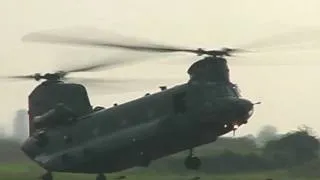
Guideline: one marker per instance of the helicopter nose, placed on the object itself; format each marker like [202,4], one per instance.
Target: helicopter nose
[229,110]
[243,109]
[237,109]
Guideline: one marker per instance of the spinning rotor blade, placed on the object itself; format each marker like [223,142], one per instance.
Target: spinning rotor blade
[56,39]
[104,64]
[63,73]
[19,77]
[109,81]
[293,38]
[147,47]
[279,40]
[109,85]
[36,76]
[92,67]
[114,85]
[153,47]
[263,45]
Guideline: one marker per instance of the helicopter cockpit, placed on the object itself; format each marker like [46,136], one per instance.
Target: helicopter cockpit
[227,90]
[236,89]
[232,89]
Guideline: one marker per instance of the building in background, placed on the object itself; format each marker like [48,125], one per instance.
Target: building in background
[2,133]
[20,125]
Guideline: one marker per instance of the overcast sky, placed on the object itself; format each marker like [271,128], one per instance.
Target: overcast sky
[289,94]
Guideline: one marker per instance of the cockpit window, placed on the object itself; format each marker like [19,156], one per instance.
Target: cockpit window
[222,90]
[236,89]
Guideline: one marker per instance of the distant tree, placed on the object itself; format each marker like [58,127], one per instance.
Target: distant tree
[2,133]
[10,152]
[232,162]
[240,145]
[294,148]
[266,134]
[307,129]
[250,136]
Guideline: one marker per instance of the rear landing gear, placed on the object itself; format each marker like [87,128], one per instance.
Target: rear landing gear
[192,162]
[101,177]
[47,176]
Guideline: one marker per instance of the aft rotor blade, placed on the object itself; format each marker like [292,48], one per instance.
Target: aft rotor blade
[95,66]
[115,81]
[21,77]
[18,77]
[97,80]
[104,64]
[114,85]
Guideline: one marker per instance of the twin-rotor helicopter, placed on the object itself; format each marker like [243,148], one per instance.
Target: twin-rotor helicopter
[69,134]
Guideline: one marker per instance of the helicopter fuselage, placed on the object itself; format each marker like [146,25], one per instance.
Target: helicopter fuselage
[134,133]
[69,136]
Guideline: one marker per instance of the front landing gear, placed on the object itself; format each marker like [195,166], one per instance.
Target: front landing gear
[101,177]
[192,162]
[47,176]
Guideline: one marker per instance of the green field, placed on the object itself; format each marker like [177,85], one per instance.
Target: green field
[14,165]
[28,171]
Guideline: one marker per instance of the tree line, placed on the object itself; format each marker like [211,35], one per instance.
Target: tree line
[267,151]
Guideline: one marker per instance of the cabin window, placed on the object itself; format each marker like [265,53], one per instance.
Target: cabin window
[67,139]
[179,102]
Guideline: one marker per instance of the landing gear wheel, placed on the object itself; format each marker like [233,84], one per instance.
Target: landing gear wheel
[101,177]
[47,176]
[192,162]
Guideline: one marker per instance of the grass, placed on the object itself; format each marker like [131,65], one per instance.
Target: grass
[15,166]
[28,171]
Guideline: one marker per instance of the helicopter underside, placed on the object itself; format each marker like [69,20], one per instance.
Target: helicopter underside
[135,154]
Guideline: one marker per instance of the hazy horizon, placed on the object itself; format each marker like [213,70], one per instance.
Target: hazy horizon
[288,93]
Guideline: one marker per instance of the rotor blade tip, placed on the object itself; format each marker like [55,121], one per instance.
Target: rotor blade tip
[26,37]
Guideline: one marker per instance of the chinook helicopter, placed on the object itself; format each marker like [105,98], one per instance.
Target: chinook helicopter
[68,134]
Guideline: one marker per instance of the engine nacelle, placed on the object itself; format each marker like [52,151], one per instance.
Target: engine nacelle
[54,117]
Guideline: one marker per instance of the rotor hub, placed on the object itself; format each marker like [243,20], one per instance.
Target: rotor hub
[52,77]
[49,76]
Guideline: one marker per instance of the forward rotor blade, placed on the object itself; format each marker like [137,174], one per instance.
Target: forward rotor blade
[296,38]
[287,39]
[147,47]
[57,39]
